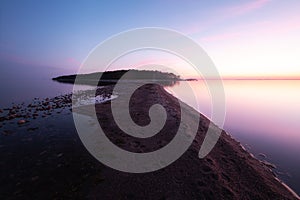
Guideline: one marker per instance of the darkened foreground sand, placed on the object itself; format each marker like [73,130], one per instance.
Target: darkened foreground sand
[50,162]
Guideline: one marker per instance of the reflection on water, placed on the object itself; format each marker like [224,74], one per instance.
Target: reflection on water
[23,82]
[264,115]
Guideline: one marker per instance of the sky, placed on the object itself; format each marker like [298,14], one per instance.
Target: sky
[243,38]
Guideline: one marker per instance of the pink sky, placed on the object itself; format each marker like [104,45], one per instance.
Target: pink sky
[243,38]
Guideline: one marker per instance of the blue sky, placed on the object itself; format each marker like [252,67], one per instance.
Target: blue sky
[257,37]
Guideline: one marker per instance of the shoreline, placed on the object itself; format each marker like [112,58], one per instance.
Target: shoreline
[217,174]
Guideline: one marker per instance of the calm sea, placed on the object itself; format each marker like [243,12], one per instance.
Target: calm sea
[264,115]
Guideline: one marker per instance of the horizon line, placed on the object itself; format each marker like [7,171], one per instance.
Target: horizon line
[249,78]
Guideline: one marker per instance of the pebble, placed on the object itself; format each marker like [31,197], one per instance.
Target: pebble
[13,116]
[269,165]
[12,112]
[38,108]
[59,165]
[43,152]
[262,155]
[21,121]
[60,155]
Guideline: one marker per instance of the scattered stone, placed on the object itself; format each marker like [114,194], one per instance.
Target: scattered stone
[280,173]
[12,116]
[268,164]
[38,108]
[27,115]
[11,112]
[60,155]
[2,119]
[21,121]
[262,155]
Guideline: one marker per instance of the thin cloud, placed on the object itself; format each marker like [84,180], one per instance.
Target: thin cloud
[266,28]
[225,13]
[246,7]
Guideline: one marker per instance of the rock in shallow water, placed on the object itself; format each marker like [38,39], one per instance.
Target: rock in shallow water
[21,121]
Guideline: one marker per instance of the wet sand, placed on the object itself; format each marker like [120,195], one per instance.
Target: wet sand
[44,158]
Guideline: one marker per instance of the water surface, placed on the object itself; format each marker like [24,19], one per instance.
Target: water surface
[23,82]
[264,115]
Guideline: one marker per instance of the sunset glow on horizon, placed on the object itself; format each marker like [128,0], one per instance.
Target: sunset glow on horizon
[243,38]
[160,99]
